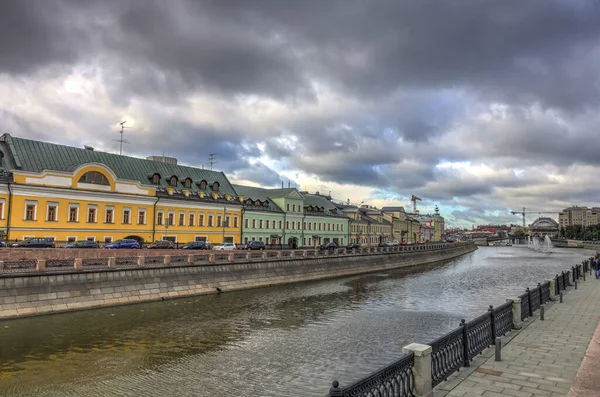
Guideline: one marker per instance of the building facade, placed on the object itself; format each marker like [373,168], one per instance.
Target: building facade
[71,194]
[368,225]
[579,216]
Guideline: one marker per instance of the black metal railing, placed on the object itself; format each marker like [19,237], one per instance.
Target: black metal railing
[395,380]
[447,355]
[457,348]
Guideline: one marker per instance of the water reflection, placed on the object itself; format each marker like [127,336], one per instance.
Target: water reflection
[291,339]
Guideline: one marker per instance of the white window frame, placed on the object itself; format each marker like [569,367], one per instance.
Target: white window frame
[76,206]
[169,213]
[171,237]
[140,211]
[48,205]
[3,202]
[192,215]
[93,238]
[52,237]
[27,237]
[107,237]
[108,208]
[211,215]
[35,206]
[123,216]
[179,214]
[201,215]
[87,215]
[163,218]
[74,238]
[196,238]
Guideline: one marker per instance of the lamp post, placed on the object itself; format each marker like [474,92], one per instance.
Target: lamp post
[223,224]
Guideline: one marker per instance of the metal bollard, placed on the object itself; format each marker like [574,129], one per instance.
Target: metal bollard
[561,294]
[498,349]
[583,276]
[575,282]
[542,310]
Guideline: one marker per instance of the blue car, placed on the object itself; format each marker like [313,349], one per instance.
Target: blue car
[123,244]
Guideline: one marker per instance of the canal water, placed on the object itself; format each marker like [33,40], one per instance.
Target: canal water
[289,340]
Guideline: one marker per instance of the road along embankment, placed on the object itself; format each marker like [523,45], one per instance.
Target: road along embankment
[142,280]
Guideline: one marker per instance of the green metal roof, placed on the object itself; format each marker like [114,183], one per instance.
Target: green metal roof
[258,193]
[36,156]
[320,201]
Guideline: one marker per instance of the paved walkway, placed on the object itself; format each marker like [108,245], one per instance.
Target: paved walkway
[543,358]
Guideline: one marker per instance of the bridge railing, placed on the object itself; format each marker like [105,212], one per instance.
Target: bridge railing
[434,362]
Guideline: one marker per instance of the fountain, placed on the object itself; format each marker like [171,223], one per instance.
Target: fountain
[539,244]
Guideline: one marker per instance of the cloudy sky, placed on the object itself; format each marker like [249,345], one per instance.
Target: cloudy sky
[479,107]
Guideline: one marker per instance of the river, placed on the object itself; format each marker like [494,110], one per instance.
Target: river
[288,340]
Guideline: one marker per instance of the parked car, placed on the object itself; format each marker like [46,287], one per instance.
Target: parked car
[197,245]
[162,245]
[2,244]
[404,243]
[255,245]
[225,247]
[123,244]
[386,244]
[421,242]
[395,242]
[81,244]
[35,243]
[329,246]
[352,246]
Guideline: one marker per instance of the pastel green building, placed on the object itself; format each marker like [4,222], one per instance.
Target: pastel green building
[290,219]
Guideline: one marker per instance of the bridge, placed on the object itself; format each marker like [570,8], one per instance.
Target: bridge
[515,240]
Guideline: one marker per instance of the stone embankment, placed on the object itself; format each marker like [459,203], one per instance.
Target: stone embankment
[43,286]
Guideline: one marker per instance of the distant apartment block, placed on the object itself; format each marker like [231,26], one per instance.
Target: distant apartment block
[576,215]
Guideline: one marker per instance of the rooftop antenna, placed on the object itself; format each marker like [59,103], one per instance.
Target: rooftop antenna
[121,141]
[212,160]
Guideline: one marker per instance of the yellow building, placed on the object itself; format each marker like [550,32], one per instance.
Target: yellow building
[69,194]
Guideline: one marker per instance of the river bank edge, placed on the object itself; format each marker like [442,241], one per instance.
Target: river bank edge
[35,295]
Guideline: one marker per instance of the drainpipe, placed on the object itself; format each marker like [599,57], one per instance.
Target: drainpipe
[9,209]
[283,227]
[154,219]
[302,235]
[242,226]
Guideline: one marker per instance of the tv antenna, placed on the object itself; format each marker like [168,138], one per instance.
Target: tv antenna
[121,141]
[212,160]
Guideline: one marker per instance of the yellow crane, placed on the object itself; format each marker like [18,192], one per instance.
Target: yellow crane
[523,213]
[414,200]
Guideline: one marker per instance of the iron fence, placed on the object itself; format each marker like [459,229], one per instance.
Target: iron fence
[503,319]
[61,264]
[479,334]
[25,266]
[524,305]
[447,355]
[535,300]
[395,380]
[545,292]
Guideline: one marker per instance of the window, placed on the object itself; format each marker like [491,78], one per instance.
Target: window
[155,181]
[210,221]
[203,185]
[219,220]
[287,224]
[260,239]
[246,222]
[314,225]
[181,219]
[280,224]
[227,221]
[173,181]
[90,238]
[126,217]
[253,223]
[294,207]
[246,240]
[215,187]
[235,221]
[71,239]
[191,220]
[304,225]
[2,209]
[51,213]
[91,215]
[304,241]
[267,224]
[171,219]
[288,207]
[141,217]
[94,177]
[30,212]
[159,218]
[293,225]
[107,240]
[73,214]
[188,183]
[329,227]
[200,219]
[260,224]
[309,225]
[109,215]
[342,227]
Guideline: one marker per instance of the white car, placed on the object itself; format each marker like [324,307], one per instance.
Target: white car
[395,242]
[225,247]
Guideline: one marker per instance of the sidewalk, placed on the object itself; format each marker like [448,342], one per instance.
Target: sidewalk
[542,359]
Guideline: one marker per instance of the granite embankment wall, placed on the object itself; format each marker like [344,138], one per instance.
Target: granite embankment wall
[45,293]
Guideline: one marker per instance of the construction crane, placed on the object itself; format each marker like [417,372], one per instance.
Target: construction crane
[414,200]
[523,213]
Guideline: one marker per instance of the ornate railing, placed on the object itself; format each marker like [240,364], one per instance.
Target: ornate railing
[457,348]
[447,355]
[395,380]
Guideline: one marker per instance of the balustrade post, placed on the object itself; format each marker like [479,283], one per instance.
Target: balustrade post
[191,259]
[40,265]
[335,389]
[304,254]
[211,258]
[423,379]
[573,273]
[78,263]
[141,260]
[493,318]
[112,261]
[167,260]
[292,254]
[529,301]
[552,289]
[278,254]
[564,280]
[264,255]
[465,330]
[541,296]
[516,312]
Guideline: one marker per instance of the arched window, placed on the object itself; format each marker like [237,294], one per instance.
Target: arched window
[203,185]
[257,203]
[155,179]
[188,183]
[215,187]
[248,202]
[266,204]
[173,181]
[94,177]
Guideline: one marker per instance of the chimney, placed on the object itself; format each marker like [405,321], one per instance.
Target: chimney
[282,184]
[289,184]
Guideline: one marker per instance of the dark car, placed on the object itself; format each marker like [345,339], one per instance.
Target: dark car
[35,243]
[81,244]
[352,246]
[329,246]
[125,243]
[162,245]
[255,245]
[197,245]
[386,244]
[2,244]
